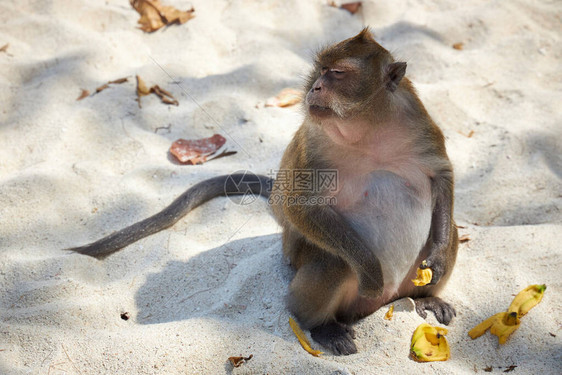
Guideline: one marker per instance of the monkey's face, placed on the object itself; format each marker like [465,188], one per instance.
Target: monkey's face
[348,79]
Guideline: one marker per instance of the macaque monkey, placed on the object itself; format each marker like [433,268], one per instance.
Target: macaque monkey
[356,245]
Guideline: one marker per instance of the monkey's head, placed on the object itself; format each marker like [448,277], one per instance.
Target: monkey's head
[352,79]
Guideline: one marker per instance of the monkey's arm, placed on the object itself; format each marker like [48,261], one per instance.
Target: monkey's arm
[327,229]
[442,252]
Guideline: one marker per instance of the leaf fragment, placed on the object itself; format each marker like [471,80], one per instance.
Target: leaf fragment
[154,15]
[302,338]
[352,7]
[286,98]
[464,238]
[165,96]
[238,361]
[196,151]
[119,80]
[83,94]
[102,87]
[458,46]
[4,48]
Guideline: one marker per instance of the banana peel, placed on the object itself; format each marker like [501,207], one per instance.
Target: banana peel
[389,313]
[503,324]
[302,338]
[429,344]
[526,299]
[423,277]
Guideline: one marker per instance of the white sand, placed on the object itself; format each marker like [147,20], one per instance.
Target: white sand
[213,286]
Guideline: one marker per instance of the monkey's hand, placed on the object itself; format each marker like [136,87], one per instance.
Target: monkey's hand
[437,263]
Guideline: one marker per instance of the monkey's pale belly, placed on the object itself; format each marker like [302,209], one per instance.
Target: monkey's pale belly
[393,217]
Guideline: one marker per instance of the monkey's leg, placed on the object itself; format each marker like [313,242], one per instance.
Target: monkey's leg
[321,288]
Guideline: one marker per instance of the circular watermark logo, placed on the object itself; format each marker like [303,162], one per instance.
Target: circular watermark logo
[242,187]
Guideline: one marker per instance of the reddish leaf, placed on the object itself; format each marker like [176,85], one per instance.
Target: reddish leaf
[196,151]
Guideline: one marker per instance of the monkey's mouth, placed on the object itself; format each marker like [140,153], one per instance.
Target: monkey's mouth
[319,111]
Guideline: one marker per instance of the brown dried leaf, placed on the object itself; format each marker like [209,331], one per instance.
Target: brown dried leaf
[154,15]
[142,90]
[102,87]
[238,361]
[173,15]
[352,7]
[4,48]
[286,97]
[83,94]
[458,46]
[119,81]
[164,95]
[196,151]
[464,238]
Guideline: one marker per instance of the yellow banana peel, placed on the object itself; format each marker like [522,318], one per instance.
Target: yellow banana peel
[389,313]
[423,277]
[429,344]
[526,299]
[503,324]
[302,338]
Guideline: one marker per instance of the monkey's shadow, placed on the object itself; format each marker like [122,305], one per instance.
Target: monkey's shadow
[239,281]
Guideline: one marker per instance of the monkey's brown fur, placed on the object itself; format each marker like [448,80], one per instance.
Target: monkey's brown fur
[393,202]
[395,184]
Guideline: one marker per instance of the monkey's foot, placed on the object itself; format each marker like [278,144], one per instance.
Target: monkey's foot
[443,311]
[336,337]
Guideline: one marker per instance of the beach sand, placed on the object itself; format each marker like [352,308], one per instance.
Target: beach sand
[214,285]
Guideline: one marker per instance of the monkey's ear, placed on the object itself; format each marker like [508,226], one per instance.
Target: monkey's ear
[394,74]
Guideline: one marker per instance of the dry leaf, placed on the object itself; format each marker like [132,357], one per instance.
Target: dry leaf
[196,151]
[84,94]
[154,15]
[164,95]
[119,81]
[464,238]
[4,48]
[389,313]
[302,338]
[351,7]
[238,361]
[286,97]
[143,90]
[102,87]
[459,46]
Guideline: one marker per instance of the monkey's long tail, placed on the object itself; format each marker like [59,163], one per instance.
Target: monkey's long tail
[226,185]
